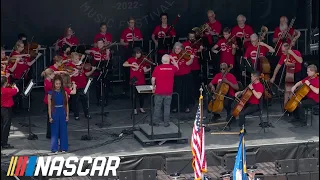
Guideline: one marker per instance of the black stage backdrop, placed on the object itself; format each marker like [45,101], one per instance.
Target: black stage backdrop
[46,19]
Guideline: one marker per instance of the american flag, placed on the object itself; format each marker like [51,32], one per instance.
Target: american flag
[199,162]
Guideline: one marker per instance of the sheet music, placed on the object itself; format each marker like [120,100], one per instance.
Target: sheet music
[31,84]
[144,88]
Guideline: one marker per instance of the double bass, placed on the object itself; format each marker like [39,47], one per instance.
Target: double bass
[300,93]
[221,91]
[289,78]
[245,96]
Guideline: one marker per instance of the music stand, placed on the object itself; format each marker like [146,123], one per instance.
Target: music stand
[23,124]
[26,94]
[166,43]
[136,43]
[87,137]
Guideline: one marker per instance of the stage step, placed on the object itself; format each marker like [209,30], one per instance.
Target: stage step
[150,142]
[160,132]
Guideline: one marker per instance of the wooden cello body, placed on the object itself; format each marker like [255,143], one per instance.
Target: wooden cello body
[222,89]
[289,83]
[295,100]
[247,93]
[266,71]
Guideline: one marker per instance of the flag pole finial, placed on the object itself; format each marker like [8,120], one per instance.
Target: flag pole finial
[200,90]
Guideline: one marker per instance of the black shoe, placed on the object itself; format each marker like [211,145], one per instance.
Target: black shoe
[7,146]
[88,116]
[48,137]
[77,118]
[218,116]
[294,119]
[166,124]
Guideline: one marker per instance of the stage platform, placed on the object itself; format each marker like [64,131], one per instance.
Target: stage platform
[106,140]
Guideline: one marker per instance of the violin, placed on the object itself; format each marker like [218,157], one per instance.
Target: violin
[32,49]
[221,91]
[295,100]
[144,61]
[231,40]
[245,96]
[186,55]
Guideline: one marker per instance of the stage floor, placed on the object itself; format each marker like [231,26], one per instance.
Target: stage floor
[106,143]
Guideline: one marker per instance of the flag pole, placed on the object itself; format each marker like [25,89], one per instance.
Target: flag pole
[201,119]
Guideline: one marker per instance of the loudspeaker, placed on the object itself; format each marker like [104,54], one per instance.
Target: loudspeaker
[314,175]
[286,166]
[300,176]
[176,164]
[308,165]
[127,175]
[228,160]
[146,174]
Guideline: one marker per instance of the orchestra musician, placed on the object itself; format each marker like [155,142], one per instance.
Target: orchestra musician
[162,82]
[7,102]
[69,38]
[65,53]
[4,63]
[22,37]
[252,105]
[48,75]
[104,35]
[242,31]
[183,78]
[214,30]
[252,50]
[295,60]
[80,79]
[137,70]
[101,57]
[312,98]
[292,36]
[227,47]
[58,110]
[19,67]
[130,34]
[231,80]
[161,31]
[193,48]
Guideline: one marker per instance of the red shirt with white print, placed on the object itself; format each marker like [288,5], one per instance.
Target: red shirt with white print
[160,32]
[251,52]
[21,67]
[182,64]
[139,74]
[226,55]
[315,83]
[298,65]
[247,31]
[215,27]
[258,87]
[107,37]
[195,64]
[230,77]
[72,40]
[277,34]
[81,79]
[164,74]
[128,34]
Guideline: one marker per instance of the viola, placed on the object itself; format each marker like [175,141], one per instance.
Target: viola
[221,91]
[245,96]
[301,92]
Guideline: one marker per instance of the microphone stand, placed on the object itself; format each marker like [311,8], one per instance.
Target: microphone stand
[100,78]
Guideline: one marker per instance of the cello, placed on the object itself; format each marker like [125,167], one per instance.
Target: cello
[220,93]
[295,100]
[245,96]
[289,78]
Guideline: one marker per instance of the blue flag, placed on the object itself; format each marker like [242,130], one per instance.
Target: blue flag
[240,167]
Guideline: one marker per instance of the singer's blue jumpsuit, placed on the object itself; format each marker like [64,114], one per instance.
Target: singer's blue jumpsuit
[59,124]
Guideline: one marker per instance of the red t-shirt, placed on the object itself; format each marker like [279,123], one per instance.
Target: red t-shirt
[251,52]
[139,74]
[238,32]
[97,57]
[53,68]
[230,77]
[107,37]
[315,83]
[127,35]
[215,27]
[258,87]
[298,66]
[164,75]
[226,55]
[195,64]
[183,67]
[6,96]
[160,32]
[22,66]
[72,40]
[277,33]
[47,88]
[81,79]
